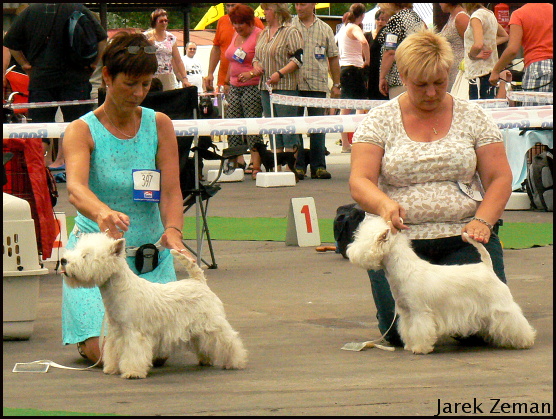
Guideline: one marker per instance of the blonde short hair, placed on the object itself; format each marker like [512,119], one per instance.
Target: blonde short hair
[424,53]
[471,7]
[282,11]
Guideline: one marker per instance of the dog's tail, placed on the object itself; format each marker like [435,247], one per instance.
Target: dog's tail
[192,268]
[485,257]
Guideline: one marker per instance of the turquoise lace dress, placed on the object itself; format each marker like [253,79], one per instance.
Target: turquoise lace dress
[112,161]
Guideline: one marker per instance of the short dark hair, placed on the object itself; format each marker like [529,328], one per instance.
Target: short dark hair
[241,13]
[117,59]
[156,14]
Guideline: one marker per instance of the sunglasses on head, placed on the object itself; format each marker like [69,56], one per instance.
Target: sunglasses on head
[134,49]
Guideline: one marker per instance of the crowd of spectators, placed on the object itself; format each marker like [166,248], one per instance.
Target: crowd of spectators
[299,57]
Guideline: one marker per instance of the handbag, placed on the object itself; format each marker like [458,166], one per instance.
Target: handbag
[460,88]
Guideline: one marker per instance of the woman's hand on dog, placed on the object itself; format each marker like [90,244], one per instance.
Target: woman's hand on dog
[477,231]
[113,223]
[393,213]
[172,239]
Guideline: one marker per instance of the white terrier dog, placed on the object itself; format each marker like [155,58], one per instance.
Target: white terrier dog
[147,320]
[434,301]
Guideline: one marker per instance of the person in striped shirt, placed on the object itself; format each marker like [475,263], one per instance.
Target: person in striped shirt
[278,58]
[321,53]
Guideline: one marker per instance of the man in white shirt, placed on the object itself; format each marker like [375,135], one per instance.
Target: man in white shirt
[193,66]
[320,56]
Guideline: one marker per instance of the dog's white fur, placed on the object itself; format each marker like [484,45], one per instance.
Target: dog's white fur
[434,301]
[147,320]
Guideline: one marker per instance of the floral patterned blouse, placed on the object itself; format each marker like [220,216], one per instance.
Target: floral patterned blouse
[436,182]
[450,32]
[163,52]
[401,25]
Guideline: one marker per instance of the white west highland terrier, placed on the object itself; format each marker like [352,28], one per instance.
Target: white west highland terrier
[434,301]
[147,320]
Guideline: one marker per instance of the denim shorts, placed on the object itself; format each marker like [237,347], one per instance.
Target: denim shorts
[74,91]
[352,80]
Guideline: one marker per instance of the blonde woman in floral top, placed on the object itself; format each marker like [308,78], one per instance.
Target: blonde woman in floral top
[278,57]
[421,161]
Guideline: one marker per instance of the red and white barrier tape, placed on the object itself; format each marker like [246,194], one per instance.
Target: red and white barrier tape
[36,105]
[358,104]
[525,117]
[539,97]
[276,99]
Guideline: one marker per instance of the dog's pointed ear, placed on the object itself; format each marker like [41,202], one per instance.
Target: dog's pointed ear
[119,247]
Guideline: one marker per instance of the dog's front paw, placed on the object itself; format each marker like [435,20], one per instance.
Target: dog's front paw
[204,360]
[420,349]
[133,374]
[237,365]
[110,370]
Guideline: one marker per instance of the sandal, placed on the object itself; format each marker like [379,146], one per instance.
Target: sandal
[80,350]
[241,166]
[254,172]
[249,169]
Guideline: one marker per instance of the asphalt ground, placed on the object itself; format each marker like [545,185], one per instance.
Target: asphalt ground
[295,308]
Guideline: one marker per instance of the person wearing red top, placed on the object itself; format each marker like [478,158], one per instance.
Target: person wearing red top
[224,34]
[531,27]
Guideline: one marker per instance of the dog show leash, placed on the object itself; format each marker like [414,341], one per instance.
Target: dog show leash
[359,346]
[43,365]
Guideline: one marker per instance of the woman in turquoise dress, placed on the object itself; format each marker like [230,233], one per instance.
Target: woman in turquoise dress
[110,153]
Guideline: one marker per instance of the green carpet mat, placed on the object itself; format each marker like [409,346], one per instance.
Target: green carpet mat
[513,235]
[526,235]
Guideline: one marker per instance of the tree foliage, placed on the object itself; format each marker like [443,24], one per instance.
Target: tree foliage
[198,10]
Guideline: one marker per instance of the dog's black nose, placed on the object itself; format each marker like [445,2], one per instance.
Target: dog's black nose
[63,261]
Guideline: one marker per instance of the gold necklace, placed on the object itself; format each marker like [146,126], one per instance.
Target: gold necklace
[116,128]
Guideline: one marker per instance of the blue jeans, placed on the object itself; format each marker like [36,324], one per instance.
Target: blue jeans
[445,251]
[484,91]
[74,91]
[282,140]
[317,141]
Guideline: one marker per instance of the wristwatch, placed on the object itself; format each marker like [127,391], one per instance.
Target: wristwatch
[338,85]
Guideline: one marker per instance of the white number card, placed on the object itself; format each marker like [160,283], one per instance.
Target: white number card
[146,185]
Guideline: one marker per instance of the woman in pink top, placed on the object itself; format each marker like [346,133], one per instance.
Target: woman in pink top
[244,98]
[354,56]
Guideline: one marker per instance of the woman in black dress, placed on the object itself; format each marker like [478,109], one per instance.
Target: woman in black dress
[381,19]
